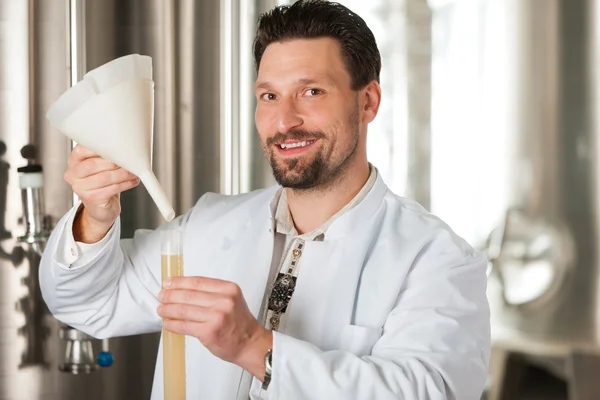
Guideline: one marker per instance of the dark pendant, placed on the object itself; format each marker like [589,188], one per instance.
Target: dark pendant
[275,318]
[282,291]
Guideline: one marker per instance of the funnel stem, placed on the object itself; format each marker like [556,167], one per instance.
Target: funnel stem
[158,195]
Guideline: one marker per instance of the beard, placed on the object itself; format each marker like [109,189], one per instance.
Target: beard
[298,174]
[322,170]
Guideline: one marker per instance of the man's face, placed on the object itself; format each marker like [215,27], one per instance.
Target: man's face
[307,115]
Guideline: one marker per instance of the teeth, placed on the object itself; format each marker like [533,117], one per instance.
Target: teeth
[294,145]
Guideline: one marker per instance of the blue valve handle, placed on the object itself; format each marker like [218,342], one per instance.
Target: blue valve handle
[105,359]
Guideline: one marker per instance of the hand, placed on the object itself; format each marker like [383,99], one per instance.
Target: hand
[98,183]
[215,312]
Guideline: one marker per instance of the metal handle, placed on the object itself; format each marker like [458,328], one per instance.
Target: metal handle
[494,250]
[530,257]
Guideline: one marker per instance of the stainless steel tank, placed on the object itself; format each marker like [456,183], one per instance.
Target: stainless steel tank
[533,71]
[543,290]
[544,258]
[203,141]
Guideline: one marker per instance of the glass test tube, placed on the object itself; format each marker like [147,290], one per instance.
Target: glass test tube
[173,343]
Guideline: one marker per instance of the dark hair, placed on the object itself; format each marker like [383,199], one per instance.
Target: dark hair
[311,19]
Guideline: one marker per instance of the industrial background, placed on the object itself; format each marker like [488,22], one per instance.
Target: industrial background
[489,118]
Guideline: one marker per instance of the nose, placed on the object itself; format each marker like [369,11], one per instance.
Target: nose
[288,116]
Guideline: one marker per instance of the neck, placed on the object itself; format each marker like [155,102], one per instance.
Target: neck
[312,208]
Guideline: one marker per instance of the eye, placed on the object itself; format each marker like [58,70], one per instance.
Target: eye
[313,92]
[268,96]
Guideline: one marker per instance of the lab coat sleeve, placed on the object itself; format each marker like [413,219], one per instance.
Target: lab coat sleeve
[114,291]
[435,343]
[72,253]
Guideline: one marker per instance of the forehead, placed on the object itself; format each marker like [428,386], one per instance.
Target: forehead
[295,59]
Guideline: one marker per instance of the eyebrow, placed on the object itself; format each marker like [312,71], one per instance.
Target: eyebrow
[301,81]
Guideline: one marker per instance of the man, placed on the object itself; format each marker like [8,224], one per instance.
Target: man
[327,286]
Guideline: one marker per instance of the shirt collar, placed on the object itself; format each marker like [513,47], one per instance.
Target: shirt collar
[284,223]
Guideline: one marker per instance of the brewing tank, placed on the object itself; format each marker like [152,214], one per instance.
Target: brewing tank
[203,141]
[543,283]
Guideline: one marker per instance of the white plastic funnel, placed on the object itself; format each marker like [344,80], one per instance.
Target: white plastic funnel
[111,112]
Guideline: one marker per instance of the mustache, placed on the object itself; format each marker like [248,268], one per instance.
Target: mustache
[295,134]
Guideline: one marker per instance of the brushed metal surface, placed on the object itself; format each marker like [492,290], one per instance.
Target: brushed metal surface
[593,74]
[30,348]
[185,39]
[14,133]
[553,165]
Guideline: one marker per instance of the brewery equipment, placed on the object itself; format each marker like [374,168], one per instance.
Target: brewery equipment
[515,104]
[203,71]
[543,287]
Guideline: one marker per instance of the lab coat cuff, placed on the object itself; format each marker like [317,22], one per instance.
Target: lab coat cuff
[284,346]
[73,255]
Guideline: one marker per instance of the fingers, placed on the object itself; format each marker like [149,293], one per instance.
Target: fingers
[186,312]
[184,327]
[78,154]
[103,179]
[197,298]
[203,284]
[205,332]
[107,192]
[83,163]
[88,167]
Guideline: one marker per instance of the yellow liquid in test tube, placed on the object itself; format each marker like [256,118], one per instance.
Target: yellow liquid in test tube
[173,343]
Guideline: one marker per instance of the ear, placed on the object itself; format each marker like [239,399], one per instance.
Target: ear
[371,98]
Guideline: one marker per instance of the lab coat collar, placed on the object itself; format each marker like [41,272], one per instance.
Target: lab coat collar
[353,220]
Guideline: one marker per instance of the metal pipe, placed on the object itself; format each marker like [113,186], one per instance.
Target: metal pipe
[246,80]
[593,21]
[229,124]
[77,40]
[76,51]
[418,71]
[31,70]
[170,94]
[186,82]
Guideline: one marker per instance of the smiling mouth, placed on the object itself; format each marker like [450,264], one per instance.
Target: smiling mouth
[286,146]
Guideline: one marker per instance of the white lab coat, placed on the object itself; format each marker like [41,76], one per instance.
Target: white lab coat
[391,305]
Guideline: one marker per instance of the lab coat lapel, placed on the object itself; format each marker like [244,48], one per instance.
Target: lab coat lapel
[323,301]
[245,261]
[329,273]
[255,261]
